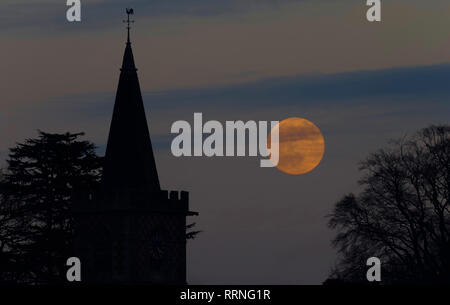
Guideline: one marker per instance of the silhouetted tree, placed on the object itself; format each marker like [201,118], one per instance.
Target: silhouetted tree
[191,234]
[36,192]
[402,215]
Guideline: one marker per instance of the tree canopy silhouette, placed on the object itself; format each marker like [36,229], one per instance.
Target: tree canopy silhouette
[402,215]
[36,191]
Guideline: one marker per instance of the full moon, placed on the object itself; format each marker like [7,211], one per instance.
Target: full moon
[301,146]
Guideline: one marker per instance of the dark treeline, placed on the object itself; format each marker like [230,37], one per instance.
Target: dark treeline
[402,216]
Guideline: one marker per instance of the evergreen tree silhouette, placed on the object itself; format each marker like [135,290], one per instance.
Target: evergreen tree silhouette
[36,192]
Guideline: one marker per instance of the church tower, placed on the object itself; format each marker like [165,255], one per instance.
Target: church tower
[131,231]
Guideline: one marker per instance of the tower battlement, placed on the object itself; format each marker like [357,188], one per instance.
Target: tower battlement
[134,200]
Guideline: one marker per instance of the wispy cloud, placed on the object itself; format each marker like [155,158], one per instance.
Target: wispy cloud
[414,82]
[101,13]
[366,96]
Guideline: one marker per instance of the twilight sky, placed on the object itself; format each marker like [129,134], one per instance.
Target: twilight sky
[360,83]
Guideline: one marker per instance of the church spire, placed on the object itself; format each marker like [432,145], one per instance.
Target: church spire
[129,160]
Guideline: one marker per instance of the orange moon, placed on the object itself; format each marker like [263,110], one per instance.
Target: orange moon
[301,146]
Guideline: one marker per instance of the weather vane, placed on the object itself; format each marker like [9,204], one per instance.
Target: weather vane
[128,21]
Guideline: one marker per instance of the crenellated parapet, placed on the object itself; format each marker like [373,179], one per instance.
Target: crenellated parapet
[134,200]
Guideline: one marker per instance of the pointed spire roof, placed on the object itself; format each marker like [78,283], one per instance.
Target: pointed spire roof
[129,161]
